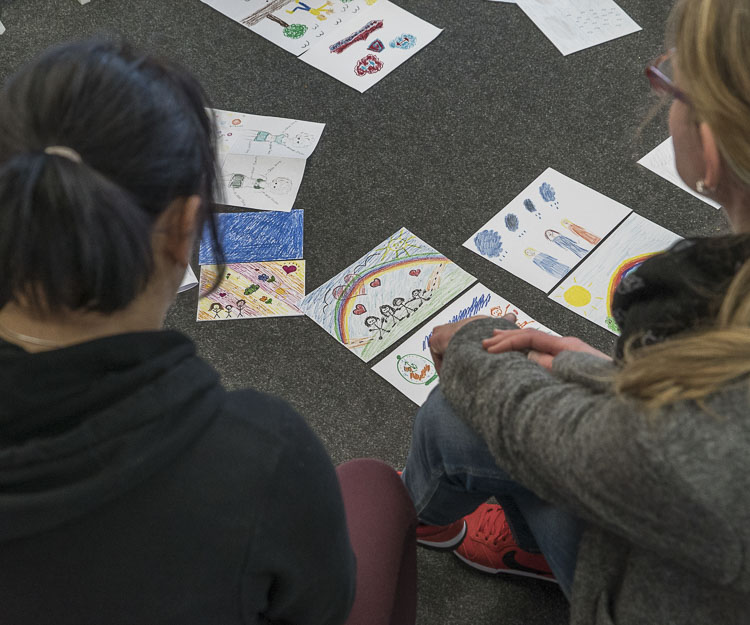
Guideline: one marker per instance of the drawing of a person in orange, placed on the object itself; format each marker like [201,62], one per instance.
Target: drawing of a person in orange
[580,232]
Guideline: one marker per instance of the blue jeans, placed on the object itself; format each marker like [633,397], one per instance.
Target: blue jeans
[450,472]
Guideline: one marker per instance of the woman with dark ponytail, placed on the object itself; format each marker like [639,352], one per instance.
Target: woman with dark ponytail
[133,488]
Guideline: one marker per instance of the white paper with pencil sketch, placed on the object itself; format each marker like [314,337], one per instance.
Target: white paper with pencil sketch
[262,159]
[410,368]
[661,161]
[547,229]
[574,25]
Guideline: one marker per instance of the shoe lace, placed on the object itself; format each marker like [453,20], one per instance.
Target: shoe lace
[493,525]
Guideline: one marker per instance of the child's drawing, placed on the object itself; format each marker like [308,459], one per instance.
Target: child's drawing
[547,229]
[573,25]
[660,160]
[409,367]
[547,263]
[403,42]
[359,35]
[588,290]
[252,290]
[368,65]
[319,18]
[322,12]
[261,182]
[581,233]
[250,237]
[565,242]
[258,135]
[385,294]
[337,53]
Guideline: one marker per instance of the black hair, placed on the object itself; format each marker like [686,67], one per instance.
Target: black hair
[74,235]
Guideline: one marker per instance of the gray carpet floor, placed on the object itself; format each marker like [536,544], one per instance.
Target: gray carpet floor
[439,146]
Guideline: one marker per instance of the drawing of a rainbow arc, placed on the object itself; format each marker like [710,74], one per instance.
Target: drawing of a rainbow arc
[347,300]
[619,274]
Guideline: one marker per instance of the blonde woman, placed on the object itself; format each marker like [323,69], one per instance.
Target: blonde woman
[632,476]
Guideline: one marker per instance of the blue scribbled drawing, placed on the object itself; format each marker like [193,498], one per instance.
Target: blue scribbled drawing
[547,263]
[489,243]
[529,206]
[404,42]
[547,191]
[565,242]
[255,237]
[476,307]
[512,223]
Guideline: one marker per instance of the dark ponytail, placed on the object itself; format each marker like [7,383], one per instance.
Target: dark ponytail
[77,235]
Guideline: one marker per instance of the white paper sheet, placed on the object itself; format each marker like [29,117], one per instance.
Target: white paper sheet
[383,296]
[2,28]
[589,289]
[188,281]
[574,25]
[262,159]
[371,46]
[410,368]
[293,25]
[258,135]
[661,161]
[547,229]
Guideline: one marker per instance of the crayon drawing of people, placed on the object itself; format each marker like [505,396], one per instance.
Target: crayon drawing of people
[547,263]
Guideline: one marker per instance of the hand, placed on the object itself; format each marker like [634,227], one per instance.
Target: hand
[442,335]
[540,346]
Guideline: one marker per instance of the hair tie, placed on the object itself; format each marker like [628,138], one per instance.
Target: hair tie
[61,150]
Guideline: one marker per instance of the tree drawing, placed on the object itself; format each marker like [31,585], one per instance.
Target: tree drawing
[293,31]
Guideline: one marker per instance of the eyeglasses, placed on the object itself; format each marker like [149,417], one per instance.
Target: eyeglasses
[660,82]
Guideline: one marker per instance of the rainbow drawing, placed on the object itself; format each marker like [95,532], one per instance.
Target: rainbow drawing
[385,294]
[625,267]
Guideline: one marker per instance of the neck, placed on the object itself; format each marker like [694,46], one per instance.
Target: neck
[22,326]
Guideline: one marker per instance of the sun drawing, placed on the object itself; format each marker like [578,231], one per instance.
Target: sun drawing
[398,244]
[579,296]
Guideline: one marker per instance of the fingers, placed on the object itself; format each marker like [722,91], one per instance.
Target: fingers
[545,360]
[522,341]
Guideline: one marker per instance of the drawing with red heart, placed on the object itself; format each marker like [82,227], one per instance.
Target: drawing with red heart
[375,283]
[289,268]
[369,64]
[415,272]
[359,310]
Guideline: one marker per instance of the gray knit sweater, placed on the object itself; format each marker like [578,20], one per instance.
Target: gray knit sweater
[666,496]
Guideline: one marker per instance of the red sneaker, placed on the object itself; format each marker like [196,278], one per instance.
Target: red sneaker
[441,537]
[489,546]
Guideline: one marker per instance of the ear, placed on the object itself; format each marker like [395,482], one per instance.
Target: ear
[182,230]
[711,157]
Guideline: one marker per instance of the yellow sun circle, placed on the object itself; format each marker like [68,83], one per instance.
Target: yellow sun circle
[577,296]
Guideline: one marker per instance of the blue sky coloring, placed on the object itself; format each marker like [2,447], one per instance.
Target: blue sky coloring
[256,237]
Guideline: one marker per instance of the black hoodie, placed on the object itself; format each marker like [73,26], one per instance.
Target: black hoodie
[134,489]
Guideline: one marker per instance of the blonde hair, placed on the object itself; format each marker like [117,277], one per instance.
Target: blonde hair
[712,38]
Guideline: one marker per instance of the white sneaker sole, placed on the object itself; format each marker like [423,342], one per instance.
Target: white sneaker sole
[447,545]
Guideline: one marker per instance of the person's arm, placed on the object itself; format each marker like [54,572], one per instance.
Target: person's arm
[301,544]
[578,446]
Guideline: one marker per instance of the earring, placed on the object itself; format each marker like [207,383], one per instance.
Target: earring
[700,187]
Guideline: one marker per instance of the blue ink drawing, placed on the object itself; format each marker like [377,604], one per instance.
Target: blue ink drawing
[511,222]
[547,263]
[255,237]
[489,243]
[476,306]
[529,206]
[547,191]
[565,243]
